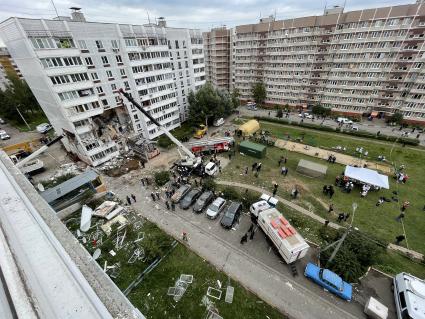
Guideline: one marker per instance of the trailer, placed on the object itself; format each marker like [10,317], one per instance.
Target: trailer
[290,244]
[219,144]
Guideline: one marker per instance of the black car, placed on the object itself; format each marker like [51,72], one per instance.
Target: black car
[190,198]
[203,201]
[231,215]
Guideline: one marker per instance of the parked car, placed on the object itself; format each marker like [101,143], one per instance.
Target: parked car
[215,208]
[211,169]
[4,136]
[329,280]
[251,106]
[218,122]
[202,202]
[354,128]
[231,215]
[2,121]
[180,193]
[43,128]
[190,198]
[344,120]
[305,115]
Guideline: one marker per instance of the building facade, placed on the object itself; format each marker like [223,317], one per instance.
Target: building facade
[76,68]
[367,61]
[217,50]
[7,66]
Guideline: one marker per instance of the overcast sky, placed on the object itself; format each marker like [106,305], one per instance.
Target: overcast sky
[202,14]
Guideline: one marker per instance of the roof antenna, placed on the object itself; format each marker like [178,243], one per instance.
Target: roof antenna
[56,10]
[149,19]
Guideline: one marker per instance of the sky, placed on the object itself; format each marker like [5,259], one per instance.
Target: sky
[201,14]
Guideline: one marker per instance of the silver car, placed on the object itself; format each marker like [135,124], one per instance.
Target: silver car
[215,208]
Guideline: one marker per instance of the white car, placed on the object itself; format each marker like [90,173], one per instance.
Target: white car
[4,135]
[344,120]
[211,169]
[306,115]
[215,208]
[355,128]
[43,128]
[218,122]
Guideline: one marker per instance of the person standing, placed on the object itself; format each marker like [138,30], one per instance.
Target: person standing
[246,170]
[128,200]
[331,208]
[244,239]
[400,217]
[134,197]
[153,196]
[254,166]
[259,167]
[331,191]
[173,206]
[399,239]
[251,236]
[184,236]
[286,171]
[167,204]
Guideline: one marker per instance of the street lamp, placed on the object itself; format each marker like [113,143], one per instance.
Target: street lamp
[29,128]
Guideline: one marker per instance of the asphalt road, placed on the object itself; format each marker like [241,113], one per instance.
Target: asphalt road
[17,136]
[254,264]
[369,126]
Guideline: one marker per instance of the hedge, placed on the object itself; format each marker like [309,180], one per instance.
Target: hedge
[401,140]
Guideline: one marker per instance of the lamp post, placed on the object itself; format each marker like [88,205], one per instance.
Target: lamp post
[19,112]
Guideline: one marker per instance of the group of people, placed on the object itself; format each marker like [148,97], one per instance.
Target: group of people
[402,177]
[332,158]
[130,199]
[250,233]
[328,190]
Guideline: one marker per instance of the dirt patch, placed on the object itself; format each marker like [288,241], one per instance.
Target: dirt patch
[121,167]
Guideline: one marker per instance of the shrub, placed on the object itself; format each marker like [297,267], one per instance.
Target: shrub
[231,194]
[209,184]
[161,178]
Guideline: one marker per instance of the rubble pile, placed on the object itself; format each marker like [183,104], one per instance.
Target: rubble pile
[119,165]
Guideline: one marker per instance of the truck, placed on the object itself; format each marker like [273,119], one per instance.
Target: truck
[264,203]
[219,144]
[289,243]
[201,131]
[409,296]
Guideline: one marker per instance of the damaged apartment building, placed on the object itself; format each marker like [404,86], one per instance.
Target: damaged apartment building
[75,69]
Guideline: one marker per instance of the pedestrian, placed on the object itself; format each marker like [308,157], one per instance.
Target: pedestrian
[254,166]
[331,191]
[134,197]
[274,191]
[346,216]
[286,171]
[196,182]
[158,197]
[184,236]
[219,169]
[326,222]
[400,217]
[142,181]
[251,237]
[282,170]
[142,163]
[246,170]
[341,217]
[331,208]
[167,204]
[153,196]
[244,239]
[285,159]
[404,206]
[399,239]
[259,167]
[251,228]
[173,206]
[294,193]
[128,200]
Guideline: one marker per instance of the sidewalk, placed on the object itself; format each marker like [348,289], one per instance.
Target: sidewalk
[272,286]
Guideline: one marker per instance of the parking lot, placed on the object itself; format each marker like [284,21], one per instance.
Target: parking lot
[258,251]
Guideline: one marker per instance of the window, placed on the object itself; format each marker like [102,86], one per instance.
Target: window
[99,44]
[105,60]
[94,76]
[99,89]
[114,44]
[122,72]
[82,44]
[177,44]
[88,61]
[105,102]
[68,95]
[118,58]
[109,74]
[113,86]
[127,85]
[43,43]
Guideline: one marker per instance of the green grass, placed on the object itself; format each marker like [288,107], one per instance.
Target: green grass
[33,122]
[182,132]
[151,296]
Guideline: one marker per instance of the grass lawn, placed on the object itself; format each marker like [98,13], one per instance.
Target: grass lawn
[379,221]
[152,300]
[36,120]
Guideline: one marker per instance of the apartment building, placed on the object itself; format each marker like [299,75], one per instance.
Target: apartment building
[76,68]
[366,61]
[218,51]
[7,65]
[187,62]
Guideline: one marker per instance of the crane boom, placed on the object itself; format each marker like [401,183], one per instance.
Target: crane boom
[39,151]
[189,154]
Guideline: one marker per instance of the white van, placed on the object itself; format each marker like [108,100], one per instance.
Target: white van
[409,296]
[218,122]
[211,169]
[264,203]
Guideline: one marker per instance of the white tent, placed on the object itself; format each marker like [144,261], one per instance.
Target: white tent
[367,176]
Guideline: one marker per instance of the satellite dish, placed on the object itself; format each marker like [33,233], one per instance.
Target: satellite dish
[96,254]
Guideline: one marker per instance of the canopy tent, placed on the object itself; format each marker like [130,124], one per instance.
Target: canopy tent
[367,176]
[249,127]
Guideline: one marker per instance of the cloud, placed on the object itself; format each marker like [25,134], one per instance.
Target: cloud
[202,14]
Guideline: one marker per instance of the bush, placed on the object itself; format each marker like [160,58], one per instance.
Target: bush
[209,184]
[231,194]
[161,178]
[248,198]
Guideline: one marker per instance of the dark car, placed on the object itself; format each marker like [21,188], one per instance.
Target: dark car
[231,215]
[180,193]
[190,198]
[203,201]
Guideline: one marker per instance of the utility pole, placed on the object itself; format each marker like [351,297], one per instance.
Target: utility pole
[29,128]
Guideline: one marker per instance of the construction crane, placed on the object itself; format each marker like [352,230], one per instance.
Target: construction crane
[190,160]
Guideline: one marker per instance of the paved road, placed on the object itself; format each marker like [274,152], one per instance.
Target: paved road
[254,265]
[17,136]
[370,126]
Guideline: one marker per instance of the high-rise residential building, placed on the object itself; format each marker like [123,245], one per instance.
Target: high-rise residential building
[75,69]
[366,61]
[217,50]
[187,58]
[7,66]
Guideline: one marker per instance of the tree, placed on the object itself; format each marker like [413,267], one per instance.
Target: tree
[259,93]
[397,118]
[320,110]
[161,178]
[235,98]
